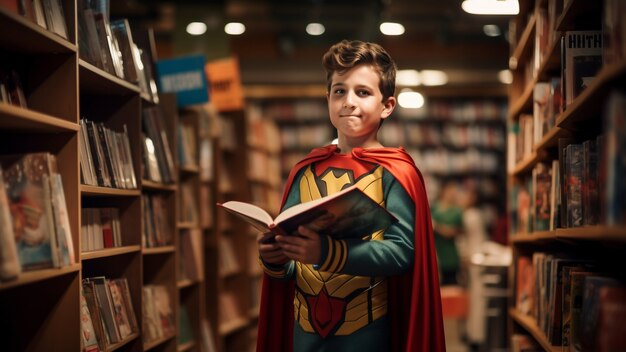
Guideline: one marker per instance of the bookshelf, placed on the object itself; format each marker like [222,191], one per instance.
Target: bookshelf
[53,113]
[232,289]
[190,254]
[557,246]
[42,308]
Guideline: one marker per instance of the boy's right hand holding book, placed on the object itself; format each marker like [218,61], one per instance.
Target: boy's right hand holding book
[303,246]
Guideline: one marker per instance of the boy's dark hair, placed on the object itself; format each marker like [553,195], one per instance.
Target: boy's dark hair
[346,54]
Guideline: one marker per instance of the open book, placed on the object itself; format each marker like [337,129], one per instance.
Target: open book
[349,213]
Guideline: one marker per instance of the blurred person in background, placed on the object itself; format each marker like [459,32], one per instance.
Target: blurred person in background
[447,218]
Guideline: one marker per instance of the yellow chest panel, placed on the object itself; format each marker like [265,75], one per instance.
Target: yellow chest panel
[366,297]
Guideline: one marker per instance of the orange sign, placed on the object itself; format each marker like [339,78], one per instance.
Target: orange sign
[226,93]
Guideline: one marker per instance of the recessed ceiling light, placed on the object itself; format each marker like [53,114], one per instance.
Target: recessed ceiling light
[433,77]
[315,28]
[234,28]
[505,76]
[409,99]
[408,78]
[491,7]
[196,28]
[391,28]
[491,30]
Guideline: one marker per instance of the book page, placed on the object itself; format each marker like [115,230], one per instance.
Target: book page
[254,215]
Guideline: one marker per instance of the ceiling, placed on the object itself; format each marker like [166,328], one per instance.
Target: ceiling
[276,50]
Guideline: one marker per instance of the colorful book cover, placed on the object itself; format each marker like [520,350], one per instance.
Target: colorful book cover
[28,189]
[590,183]
[583,59]
[574,179]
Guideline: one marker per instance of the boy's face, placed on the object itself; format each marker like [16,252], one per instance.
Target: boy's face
[355,103]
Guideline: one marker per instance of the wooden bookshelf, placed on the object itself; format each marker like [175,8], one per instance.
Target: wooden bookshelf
[60,89]
[580,121]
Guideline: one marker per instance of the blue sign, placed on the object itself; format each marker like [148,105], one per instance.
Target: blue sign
[184,76]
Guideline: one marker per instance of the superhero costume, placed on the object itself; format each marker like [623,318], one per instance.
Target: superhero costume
[350,304]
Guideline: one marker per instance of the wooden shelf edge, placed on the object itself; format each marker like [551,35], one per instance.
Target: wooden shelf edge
[108,252]
[529,325]
[21,118]
[151,185]
[525,164]
[159,250]
[152,344]
[187,225]
[185,283]
[29,277]
[102,74]
[88,190]
[533,237]
[189,169]
[524,100]
[551,138]
[122,343]
[591,233]
[596,233]
[227,328]
[523,44]
[186,346]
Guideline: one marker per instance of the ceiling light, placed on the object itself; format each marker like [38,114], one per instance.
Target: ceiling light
[491,7]
[505,76]
[433,77]
[234,28]
[196,28]
[491,30]
[391,28]
[408,78]
[409,99]
[315,29]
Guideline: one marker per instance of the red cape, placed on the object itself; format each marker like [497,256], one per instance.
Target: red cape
[414,298]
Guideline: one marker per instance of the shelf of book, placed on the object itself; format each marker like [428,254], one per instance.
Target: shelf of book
[529,324]
[567,228]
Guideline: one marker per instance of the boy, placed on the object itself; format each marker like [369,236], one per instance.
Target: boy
[355,295]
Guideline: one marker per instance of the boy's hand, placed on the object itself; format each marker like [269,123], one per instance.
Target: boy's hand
[303,247]
[270,252]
